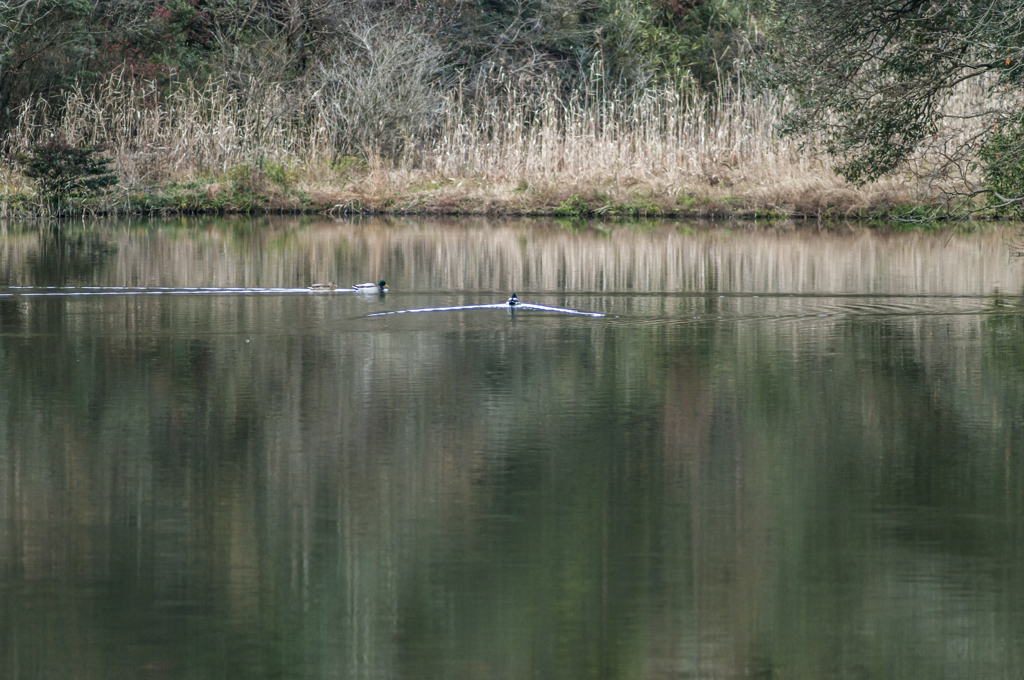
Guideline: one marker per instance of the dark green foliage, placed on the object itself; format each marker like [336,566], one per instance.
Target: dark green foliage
[703,37]
[44,46]
[47,46]
[62,170]
[574,206]
[872,76]
[169,37]
[1003,159]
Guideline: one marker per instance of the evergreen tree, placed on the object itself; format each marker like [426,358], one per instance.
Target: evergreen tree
[62,170]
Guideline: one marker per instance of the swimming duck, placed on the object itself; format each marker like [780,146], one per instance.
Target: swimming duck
[379,287]
[322,286]
[513,301]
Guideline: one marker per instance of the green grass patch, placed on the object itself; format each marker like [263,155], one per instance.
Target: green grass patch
[574,206]
[636,207]
[768,215]
[685,202]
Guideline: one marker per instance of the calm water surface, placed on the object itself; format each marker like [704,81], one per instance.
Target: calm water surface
[784,452]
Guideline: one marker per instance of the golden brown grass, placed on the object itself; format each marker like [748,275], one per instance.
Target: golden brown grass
[671,147]
[669,150]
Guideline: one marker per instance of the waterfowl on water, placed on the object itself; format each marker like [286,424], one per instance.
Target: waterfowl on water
[513,301]
[322,286]
[379,287]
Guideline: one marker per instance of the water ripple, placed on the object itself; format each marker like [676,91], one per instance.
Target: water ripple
[521,305]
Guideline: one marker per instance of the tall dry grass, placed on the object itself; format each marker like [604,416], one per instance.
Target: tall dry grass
[674,139]
[196,128]
[669,134]
[502,146]
[658,143]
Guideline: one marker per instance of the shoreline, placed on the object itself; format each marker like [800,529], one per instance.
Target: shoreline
[198,197]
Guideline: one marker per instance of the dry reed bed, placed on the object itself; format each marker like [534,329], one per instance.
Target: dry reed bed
[674,149]
[194,129]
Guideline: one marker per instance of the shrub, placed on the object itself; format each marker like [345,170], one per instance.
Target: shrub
[1003,158]
[382,88]
[574,206]
[62,170]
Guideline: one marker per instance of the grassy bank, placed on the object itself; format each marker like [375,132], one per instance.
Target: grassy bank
[673,151]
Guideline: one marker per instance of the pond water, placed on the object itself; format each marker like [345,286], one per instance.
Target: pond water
[784,451]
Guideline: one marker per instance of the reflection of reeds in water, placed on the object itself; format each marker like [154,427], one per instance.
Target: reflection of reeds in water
[505,256]
[665,259]
[499,257]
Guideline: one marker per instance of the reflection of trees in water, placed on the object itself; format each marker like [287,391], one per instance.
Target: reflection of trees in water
[839,490]
[717,494]
[68,257]
[645,497]
[1015,242]
[49,256]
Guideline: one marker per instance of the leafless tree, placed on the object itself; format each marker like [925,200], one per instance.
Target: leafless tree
[382,86]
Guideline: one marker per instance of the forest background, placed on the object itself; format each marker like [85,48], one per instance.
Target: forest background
[566,107]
